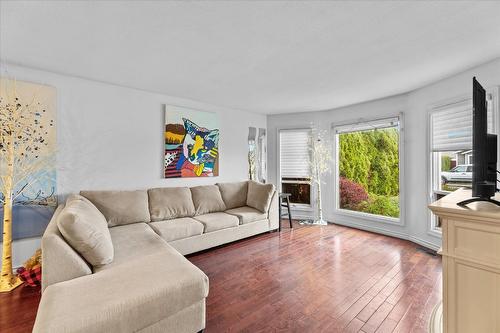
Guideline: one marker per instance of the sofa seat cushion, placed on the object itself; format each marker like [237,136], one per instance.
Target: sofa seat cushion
[120,207]
[207,199]
[134,241]
[234,194]
[247,214]
[168,203]
[218,221]
[175,229]
[128,298]
[85,228]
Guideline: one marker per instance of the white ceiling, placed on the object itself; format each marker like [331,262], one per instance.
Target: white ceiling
[268,57]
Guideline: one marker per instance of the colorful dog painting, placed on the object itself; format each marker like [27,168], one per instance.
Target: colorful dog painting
[191,143]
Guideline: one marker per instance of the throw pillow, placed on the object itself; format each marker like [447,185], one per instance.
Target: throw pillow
[260,195]
[86,230]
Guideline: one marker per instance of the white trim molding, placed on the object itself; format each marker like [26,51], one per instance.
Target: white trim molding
[383,231]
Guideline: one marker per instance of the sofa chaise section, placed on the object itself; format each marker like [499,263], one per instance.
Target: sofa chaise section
[135,241]
[148,287]
[131,297]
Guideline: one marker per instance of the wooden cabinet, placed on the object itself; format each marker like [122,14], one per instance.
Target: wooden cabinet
[471,264]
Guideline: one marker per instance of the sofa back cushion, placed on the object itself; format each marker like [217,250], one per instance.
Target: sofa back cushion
[259,195]
[86,230]
[170,203]
[207,199]
[120,207]
[234,194]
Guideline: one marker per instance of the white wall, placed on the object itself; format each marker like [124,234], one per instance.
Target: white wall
[414,105]
[111,137]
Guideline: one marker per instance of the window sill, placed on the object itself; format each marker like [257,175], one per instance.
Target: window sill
[441,192]
[304,207]
[436,232]
[368,217]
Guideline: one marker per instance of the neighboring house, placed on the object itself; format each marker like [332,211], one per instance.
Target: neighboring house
[462,157]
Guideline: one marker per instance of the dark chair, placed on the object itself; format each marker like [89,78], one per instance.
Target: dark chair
[284,201]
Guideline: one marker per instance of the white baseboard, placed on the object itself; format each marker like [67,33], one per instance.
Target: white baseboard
[375,229]
[424,243]
[299,217]
[386,232]
[299,214]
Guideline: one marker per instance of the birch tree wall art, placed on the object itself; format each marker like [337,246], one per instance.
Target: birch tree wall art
[27,162]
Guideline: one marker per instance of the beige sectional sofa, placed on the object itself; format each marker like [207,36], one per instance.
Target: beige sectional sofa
[113,260]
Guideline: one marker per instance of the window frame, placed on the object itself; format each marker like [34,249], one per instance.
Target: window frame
[432,159]
[336,177]
[433,162]
[305,210]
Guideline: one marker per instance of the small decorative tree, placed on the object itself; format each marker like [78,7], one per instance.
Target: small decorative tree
[25,152]
[320,164]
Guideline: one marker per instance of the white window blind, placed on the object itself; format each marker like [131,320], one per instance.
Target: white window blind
[451,125]
[294,153]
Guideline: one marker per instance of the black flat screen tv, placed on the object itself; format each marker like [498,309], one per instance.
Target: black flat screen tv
[484,150]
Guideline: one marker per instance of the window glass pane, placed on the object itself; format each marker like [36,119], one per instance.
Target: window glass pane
[300,190]
[368,162]
[454,170]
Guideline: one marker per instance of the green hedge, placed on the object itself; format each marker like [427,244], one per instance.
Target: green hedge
[380,205]
[445,163]
[371,159]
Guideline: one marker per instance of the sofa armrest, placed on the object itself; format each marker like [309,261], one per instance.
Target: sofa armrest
[123,298]
[273,213]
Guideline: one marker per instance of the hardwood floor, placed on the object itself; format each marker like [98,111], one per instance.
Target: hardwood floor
[308,279]
[18,309]
[320,279]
